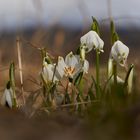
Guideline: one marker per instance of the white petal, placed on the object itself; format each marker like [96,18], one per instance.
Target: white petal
[92,39]
[60,66]
[86,66]
[48,73]
[71,60]
[79,61]
[119,52]
[100,44]
[7,97]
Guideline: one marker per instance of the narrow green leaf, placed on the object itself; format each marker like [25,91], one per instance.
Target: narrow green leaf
[12,82]
[90,92]
[78,50]
[114,35]
[112,27]
[95,26]
[128,75]
[8,85]
[78,78]
[45,56]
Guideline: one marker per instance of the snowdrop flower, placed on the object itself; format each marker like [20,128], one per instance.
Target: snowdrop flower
[49,73]
[92,40]
[7,98]
[119,53]
[71,66]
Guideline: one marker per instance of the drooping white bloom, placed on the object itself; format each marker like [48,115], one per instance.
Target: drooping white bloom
[92,40]
[49,73]
[119,53]
[71,66]
[7,98]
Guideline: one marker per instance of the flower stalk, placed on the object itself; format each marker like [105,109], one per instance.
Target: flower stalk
[115,73]
[20,67]
[97,74]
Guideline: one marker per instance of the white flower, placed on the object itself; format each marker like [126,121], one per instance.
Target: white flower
[92,40]
[72,65]
[49,73]
[119,53]
[7,98]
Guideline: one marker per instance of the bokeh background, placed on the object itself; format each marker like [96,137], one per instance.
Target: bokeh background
[58,26]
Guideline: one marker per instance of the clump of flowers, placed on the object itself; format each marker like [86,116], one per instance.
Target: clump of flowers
[63,80]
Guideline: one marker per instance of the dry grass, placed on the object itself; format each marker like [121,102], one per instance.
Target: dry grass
[34,122]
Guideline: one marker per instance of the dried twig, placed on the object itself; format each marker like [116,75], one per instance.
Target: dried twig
[20,67]
[78,103]
[31,44]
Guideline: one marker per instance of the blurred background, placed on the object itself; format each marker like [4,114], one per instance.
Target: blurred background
[58,26]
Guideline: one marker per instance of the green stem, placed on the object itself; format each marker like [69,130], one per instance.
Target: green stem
[115,73]
[97,74]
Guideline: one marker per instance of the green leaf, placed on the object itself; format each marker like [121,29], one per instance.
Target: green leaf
[47,60]
[78,50]
[44,81]
[107,83]
[79,99]
[112,27]
[95,26]
[12,82]
[43,53]
[45,56]
[128,76]
[114,35]
[82,53]
[78,78]
[8,85]
[12,74]
[90,92]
